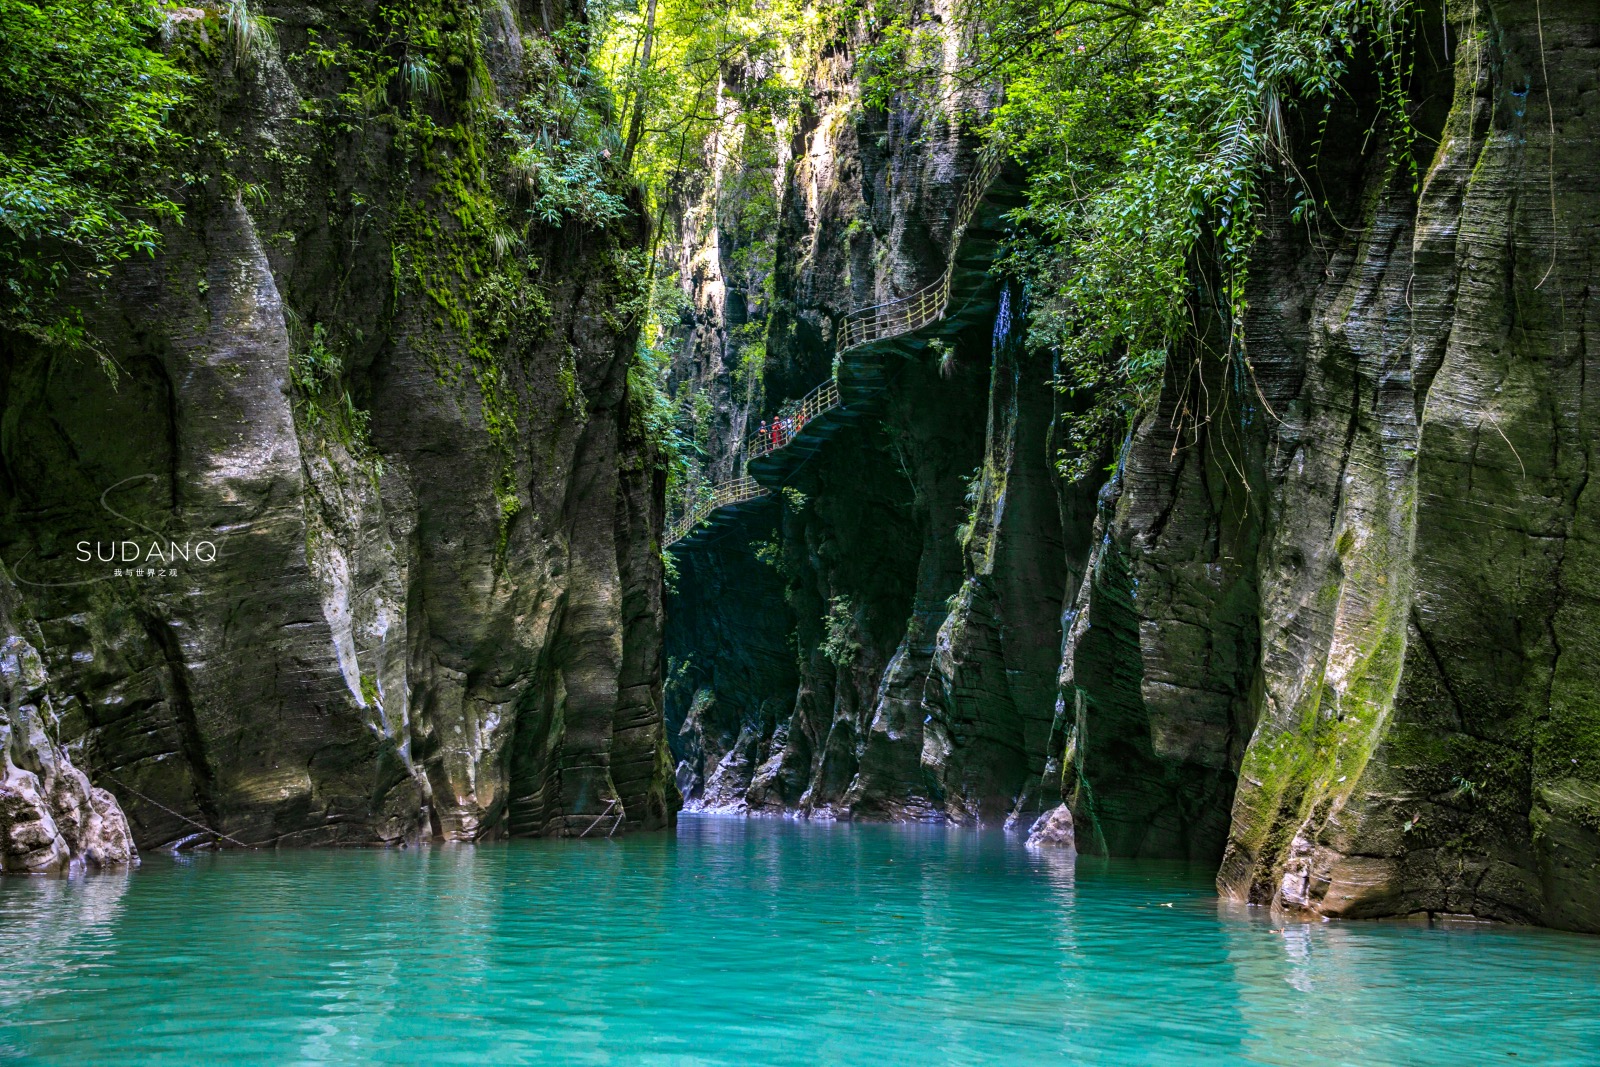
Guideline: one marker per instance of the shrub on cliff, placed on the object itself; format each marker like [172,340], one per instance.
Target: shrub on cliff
[83,120]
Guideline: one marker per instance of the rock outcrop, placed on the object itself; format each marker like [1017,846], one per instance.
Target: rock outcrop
[1427,738]
[1328,636]
[1053,829]
[52,819]
[374,412]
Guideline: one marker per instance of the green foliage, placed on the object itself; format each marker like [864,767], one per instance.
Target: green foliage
[769,552]
[704,415]
[655,418]
[317,370]
[669,571]
[248,33]
[713,70]
[974,500]
[1148,131]
[567,380]
[83,133]
[679,677]
[316,366]
[838,645]
[750,355]
[561,144]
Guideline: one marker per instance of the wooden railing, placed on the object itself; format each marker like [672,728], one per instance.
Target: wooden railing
[909,314]
[895,318]
[733,491]
[781,430]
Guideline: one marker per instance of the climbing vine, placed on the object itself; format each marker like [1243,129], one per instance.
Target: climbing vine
[1147,129]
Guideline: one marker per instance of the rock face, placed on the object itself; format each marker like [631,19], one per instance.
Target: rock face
[387,422]
[1053,829]
[1427,738]
[51,819]
[862,554]
[1331,640]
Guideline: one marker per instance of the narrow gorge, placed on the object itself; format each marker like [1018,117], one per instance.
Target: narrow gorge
[1154,429]
[1318,620]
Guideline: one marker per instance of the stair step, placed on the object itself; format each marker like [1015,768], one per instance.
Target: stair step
[858,390]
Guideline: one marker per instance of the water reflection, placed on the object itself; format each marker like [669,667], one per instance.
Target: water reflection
[52,930]
[751,941]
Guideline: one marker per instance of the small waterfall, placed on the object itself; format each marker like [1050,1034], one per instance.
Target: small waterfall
[1002,319]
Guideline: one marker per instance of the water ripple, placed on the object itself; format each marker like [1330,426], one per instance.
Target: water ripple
[740,942]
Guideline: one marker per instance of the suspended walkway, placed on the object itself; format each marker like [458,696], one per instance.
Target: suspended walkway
[723,498]
[775,451]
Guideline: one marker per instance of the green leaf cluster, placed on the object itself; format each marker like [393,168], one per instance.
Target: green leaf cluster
[1148,130]
[839,646]
[84,128]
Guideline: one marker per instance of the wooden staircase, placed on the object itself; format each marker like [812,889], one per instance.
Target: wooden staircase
[865,339]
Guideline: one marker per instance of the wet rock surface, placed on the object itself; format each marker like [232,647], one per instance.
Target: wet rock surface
[434,604]
[1324,625]
[1053,829]
[52,819]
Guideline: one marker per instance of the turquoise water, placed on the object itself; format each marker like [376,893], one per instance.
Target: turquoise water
[763,942]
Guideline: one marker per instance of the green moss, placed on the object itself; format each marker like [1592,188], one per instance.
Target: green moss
[1306,764]
[839,645]
[462,283]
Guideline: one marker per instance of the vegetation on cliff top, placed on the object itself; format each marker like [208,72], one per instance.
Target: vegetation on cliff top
[87,101]
[1148,131]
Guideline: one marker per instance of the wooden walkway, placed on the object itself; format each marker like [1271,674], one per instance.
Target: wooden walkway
[863,326]
[723,494]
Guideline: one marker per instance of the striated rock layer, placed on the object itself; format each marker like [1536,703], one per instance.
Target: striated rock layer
[1330,636]
[52,819]
[1428,738]
[433,606]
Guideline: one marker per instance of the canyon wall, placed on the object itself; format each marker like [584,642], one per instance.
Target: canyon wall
[1322,624]
[371,401]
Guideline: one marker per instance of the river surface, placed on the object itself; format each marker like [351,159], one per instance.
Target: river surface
[752,942]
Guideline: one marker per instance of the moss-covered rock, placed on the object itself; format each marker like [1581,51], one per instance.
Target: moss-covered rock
[434,608]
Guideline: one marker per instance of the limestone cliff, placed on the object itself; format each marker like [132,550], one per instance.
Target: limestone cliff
[51,819]
[1428,739]
[1327,636]
[371,401]
[781,693]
